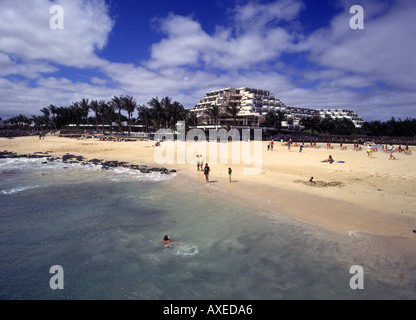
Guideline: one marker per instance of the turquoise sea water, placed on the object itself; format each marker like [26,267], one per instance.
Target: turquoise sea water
[104,227]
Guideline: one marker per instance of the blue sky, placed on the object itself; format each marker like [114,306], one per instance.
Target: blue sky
[303,51]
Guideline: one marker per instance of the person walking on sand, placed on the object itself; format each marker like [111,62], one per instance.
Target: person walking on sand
[206,172]
[198,163]
[229,173]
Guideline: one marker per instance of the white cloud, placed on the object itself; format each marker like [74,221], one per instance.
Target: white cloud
[30,69]
[385,49]
[188,61]
[26,33]
[256,16]
[240,46]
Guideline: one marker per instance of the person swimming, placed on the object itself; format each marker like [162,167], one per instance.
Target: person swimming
[166,240]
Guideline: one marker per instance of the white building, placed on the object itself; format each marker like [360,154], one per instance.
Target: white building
[254,104]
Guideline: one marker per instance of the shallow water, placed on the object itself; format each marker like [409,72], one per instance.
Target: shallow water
[104,229]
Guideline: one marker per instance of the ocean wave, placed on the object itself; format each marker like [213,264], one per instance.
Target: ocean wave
[183,250]
[17,190]
[123,173]
[25,165]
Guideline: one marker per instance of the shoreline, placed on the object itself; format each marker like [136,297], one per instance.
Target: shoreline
[344,203]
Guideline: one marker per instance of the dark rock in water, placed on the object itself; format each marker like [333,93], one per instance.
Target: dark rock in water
[113,164]
[67,157]
[70,158]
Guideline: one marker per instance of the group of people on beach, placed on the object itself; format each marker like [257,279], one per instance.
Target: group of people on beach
[206,169]
[200,167]
[390,150]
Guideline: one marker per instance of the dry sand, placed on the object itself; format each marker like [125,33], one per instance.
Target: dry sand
[370,195]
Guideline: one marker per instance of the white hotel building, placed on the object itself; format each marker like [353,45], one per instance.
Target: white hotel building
[254,104]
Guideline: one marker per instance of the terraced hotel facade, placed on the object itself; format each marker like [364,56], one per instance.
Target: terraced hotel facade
[254,104]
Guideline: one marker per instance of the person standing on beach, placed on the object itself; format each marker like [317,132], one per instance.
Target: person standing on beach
[391,153]
[198,162]
[229,173]
[201,162]
[206,172]
[288,144]
[369,151]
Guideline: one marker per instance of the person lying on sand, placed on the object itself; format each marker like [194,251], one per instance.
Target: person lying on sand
[330,159]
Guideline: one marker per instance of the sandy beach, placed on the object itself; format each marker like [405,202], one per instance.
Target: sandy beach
[359,194]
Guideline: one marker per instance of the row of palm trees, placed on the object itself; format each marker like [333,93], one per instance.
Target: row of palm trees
[156,114]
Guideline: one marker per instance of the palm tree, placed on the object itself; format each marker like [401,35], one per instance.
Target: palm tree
[129,104]
[233,111]
[37,121]
[214,112]
[118,105]
[177,113]
[46,113]
[158,112]
[104,109]
[62,117]
[191,118]
[145,114]
[109,111]
[167,110]
[53,111]
[74,112]
[95,106]
[85,109]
